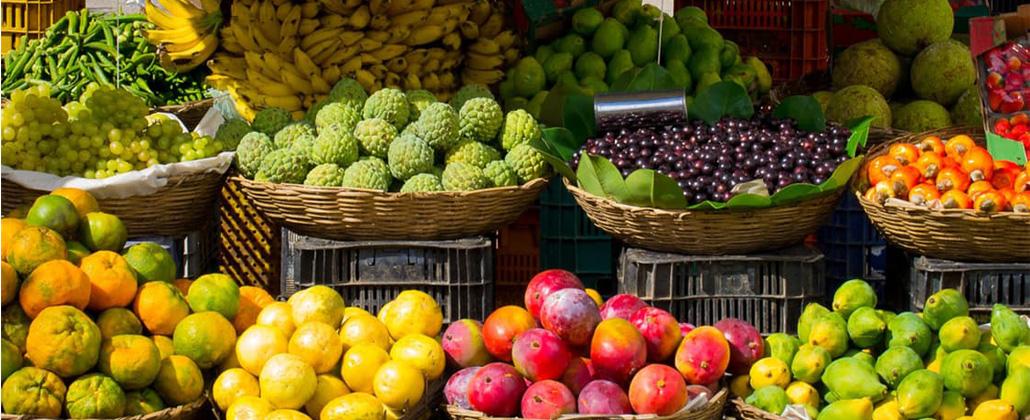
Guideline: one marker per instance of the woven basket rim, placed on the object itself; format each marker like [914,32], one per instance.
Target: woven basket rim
[185,106]
[745,411]
[173,412]
[720,398]
[312,189]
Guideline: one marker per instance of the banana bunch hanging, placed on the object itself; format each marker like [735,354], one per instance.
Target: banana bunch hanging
[186,34]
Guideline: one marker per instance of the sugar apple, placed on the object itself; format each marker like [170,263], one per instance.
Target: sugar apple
[480,119]
[325,175]
[437,125]
[337,113]
[389,104]
[375,136]
[501,174]
[231,132]
[468,92]
[303,143]
[369,173]
[527,162]
[422,183]
[460,176]
[288,134]
[409,156]
[348,91]
[271,120]
[284,166]
[473,153]
[336,145]
[519,127]
[252,149]
[418,100]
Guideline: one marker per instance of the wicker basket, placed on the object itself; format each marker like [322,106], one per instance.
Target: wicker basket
[192,411]
[712,411]
[357,214]
[951,234]
[711,232]
[190,112]
[741,410]
[186,203]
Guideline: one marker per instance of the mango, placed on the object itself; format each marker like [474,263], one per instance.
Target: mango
[990,393]
[770,398]
[620,63]
[888,410]
[907,329]
[812,312]
[809,363]
[967,372]
[958,333]
[781,346]
[995,355]
[769,371]
[952,406]
[856,409]
[643,45]
[851,295]
[896,363]
[865,357]
[609,38]
[1016,390]
[831,333]
[886,315]
[740,386]
[801,393]
[865,327]
[626,11]
[1009,330]
[920,394]
[944,305]
[1018,357]
[851,378]
[995,410]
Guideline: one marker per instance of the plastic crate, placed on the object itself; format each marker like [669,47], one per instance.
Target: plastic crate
[1004,6]
[570,241]
[851,245]
[983,284]
[788,35]
[768,290]
[457,273]
[248,242]
[518,258]
[194,253]
[31,18]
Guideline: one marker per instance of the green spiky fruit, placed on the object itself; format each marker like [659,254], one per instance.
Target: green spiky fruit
[271,120]
[527,162]
[422,183]
[460,176]
[252,149]
[231,132]
[418,100]
[348,91]
[519,127]
[480,119]
[375,136]
[389,104]
[337,113]
[369,173]
[409,156]
[473,153]
[325,175]
[284,166]
[468,92]
[288,135]
[501,174]
[437,125]
[335,145]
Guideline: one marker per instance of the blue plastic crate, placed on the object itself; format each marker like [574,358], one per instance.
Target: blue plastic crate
[852,246]
[570,241]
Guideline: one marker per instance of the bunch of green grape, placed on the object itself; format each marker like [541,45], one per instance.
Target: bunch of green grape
[105,133]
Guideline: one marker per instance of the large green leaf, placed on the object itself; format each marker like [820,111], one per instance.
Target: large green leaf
[803,109]
[553,109]
[649,188]
[794,193]
[842,175]
[556,146]
[598,176]
[859,134]
[749,201]
[707,205]
[648,78]
[578,117]
[720,100]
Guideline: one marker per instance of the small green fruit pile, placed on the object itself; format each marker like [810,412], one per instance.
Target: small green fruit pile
[855,361]
[395,141]
[599,50]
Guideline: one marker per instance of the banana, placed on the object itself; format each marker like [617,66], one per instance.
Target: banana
[365,79]
[397,64]
[412,18]
[412,82]
[243,36]
[351,37]
[360,18]
[267,23]
[182,8]
[307,26]
[452,41]
[431,65]
[379,22]
[368,59]
[274,62]
[183,61]
[223,64]
[164,20]
[431,82]
[318,37]
[389,51]
[189,51]
[505,39]
[484,46]
[239,11]
[296,81]
[469,29]
[365,44]
[447,80]
[232,46]
[291,24]
[416,55]
[256,63]
[336,6]
[287,45]
[210,6]
[305,64]
[340,55]
[183,37]
[332,74]
[378,36]
[486,77]
[282,11]
[219,81]
[451,25]
[263,42]
[493,26]
[378,7]
[319,85]
[424,35]
[392,80]
[352,4]
[320,53]
[414,68]
[398,35]
[483,62]
[378,70]
[435,52]
[351,66]
[310,9]
[394,9]
[480,12]
[450,63]
[268,86]
[438,15]
[289,103]
[511,56]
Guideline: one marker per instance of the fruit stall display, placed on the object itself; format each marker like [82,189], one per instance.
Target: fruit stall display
[1016,127]
[853,361]
[1005,71]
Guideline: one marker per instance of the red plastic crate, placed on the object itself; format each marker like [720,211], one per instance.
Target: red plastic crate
[518,258]
[788,35]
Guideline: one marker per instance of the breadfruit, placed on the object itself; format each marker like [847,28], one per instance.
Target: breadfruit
[859,101]
[868,63]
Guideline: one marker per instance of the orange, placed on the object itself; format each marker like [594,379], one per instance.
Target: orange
[34,392]
[54,212]
[10,282]
[364,328]
[76,251]
[329,387]
[412,312]
[151,262]
[15,325]
[9,227]
[421,352]
[94,396]
[53,283]
[112,282]
[118,321]
[360,364]
[33,246]
[144,401]
[83,201]
[258,344]
[249,408]
[233,384]
[398,385]
[179,381]
[287,382]
[214,292]
[160,307]
[355,406]
[132,360]
[183,285]
[286,414]
[278,315]
[164,345]
[252,301]
[63,340]
[103,231]
[317,303]
[318,345]
[205,337]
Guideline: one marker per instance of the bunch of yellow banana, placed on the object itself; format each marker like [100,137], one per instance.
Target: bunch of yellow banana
[186,35]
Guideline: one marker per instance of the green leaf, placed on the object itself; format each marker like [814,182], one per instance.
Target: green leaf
[563,141]
[551,147]
[598,176]
[648,188]
[578,116]
[1005,149]
[842,175]
[859,134]
[749,201]
[803,109]
[794,193]
[553,109]
[720,100]
[648,78]
[708,205]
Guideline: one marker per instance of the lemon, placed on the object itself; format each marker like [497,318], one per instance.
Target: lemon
[360,365]
[278,315]
[317,303]
[258,344]
[364,328]
[286,381]
[248,408]
[802,393]
[329,387]
[412,312]
[398,385]
[233,384]
[769,371]
[318,345]
[422,353]
[356,406]
[286,414]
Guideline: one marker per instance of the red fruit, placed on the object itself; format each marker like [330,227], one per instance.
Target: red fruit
[703,356]
[547,400]
[496,390]
[501,328]
[463,343]
[995,80]
[617,350]
[1001,127]
[994,98]
[621,306]
[660,331]
[1013,63]
[457,388]
[1020,119]
[657,389]
[604,397]
[1017,130]
[571,314]
[1012,102]
[686,328]
[579,373]
[746,345]
[539,354]
[546,282]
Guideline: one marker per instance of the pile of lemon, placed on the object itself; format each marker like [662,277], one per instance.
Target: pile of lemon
[313,357]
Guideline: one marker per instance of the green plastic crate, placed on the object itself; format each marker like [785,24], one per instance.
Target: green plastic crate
[570,241]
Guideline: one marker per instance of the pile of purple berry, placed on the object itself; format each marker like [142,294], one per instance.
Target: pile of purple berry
[708,161]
